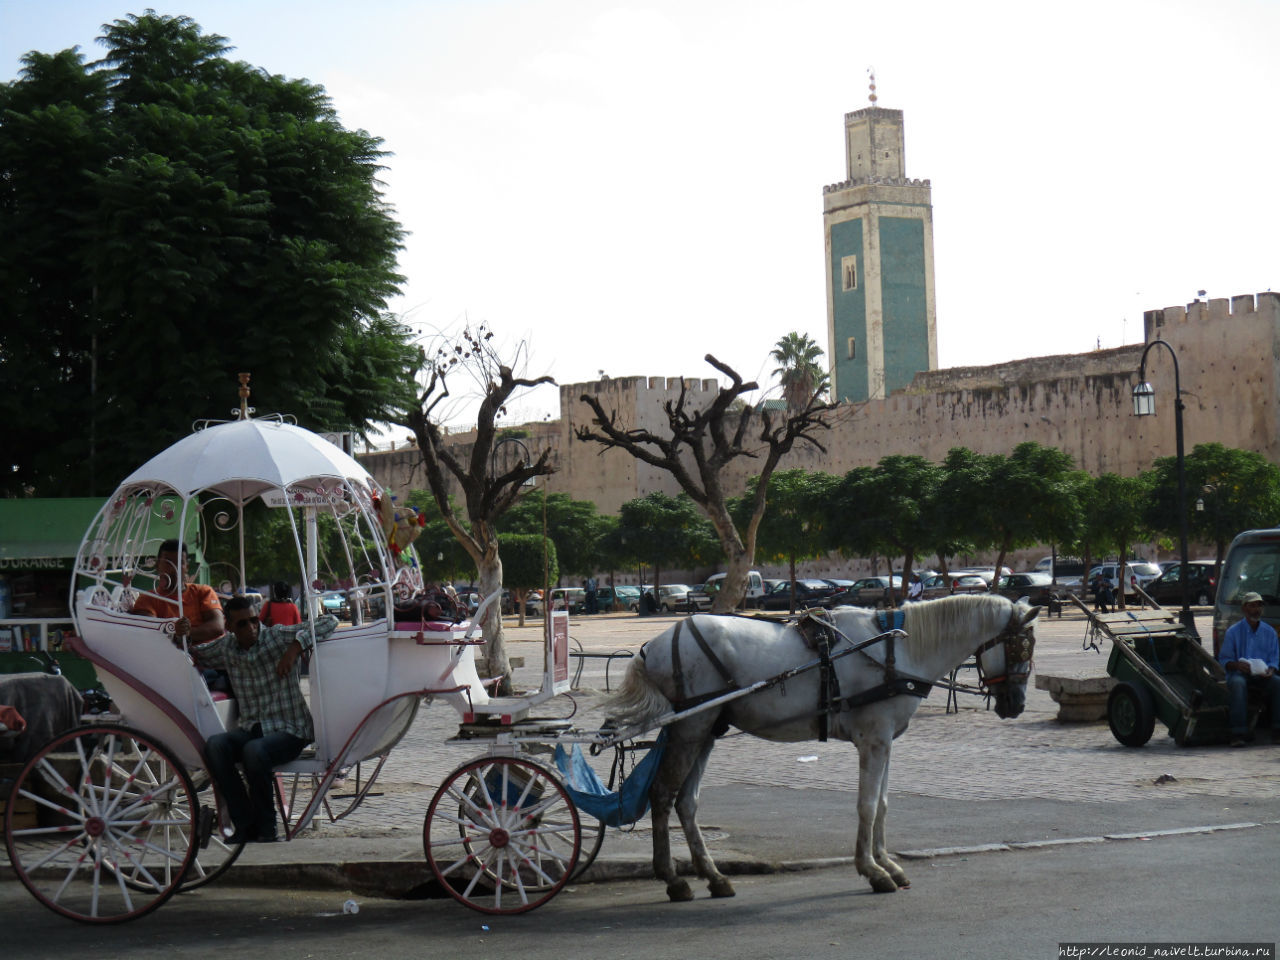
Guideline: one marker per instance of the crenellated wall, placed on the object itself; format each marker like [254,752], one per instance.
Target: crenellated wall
[1227,353]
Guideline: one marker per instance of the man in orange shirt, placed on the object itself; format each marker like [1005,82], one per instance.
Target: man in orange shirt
[200,615]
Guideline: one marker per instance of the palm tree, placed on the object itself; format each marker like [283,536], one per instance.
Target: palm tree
[802,376]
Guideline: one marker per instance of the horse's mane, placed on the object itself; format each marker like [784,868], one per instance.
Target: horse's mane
[930,621]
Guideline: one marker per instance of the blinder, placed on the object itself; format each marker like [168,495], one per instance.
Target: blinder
[1019,648]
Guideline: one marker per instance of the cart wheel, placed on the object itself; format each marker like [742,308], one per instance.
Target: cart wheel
[1131,714]
[501,835]
[112,839]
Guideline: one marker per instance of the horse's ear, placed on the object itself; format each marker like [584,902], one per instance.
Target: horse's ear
[1031,615]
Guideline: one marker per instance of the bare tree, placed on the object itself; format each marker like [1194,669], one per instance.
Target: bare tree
[702,442]
[486,492]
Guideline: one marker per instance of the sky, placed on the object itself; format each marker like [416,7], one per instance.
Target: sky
[625,187]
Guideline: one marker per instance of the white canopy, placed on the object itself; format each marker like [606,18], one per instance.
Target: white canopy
[245,459]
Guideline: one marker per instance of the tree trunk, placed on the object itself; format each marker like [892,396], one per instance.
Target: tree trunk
[995,577]
[495,646]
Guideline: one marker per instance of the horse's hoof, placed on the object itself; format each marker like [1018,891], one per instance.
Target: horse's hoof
[679,891]
[902,882]
[884,884]
[722,888]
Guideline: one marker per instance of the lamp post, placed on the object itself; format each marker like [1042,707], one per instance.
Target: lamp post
[1144,405]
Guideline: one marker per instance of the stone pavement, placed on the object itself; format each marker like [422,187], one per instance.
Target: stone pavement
[955,778]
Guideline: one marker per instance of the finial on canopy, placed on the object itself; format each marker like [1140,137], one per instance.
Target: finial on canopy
[245,410]
[872,96]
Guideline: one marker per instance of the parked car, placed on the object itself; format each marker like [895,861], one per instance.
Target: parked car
[335,602]
[937,586]
[1036,587]
[680,598]
[867,592]
[626,598]
[809,593]
[1138,572]
[1252,564]
[1202,584]
[706,593]
[573,599]
[1066,567]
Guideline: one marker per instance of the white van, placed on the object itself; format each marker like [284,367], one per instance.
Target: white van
[755,587]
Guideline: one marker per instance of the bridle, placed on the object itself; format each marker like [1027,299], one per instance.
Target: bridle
[1018,648]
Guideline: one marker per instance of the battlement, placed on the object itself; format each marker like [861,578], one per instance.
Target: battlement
[873,113]
[1262,305]
[875,182]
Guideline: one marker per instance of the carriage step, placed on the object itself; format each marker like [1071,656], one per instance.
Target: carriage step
[506,710]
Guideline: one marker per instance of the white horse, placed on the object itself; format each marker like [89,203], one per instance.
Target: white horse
[879,688]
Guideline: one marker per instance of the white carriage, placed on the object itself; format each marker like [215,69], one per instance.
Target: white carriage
[127,815]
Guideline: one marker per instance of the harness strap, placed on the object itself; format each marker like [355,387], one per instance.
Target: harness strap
[892,688]
[677,671]
[707,652]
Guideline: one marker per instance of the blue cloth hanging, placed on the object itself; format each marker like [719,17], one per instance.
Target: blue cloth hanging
[595,800]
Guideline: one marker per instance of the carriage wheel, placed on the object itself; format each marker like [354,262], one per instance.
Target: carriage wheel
[112,839]
[1131,714]
[213,855]
[502,835]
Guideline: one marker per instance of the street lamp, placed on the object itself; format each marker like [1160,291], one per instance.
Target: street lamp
[1144,405]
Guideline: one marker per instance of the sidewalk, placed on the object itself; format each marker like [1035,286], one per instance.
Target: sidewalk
[958,780]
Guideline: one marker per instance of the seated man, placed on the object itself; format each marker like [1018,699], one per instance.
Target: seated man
[274,721]
[1251,653]
[199,613]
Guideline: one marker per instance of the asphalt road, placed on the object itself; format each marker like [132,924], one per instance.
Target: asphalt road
[1019,904]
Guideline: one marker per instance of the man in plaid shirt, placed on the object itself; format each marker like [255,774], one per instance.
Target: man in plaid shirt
[275,723]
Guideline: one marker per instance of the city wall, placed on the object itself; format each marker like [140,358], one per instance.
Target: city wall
[1226,350]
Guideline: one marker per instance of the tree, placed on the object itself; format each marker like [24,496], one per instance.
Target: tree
[709,439]
[574,527]
[798,370]
[1119,517]
[526,559]
[893,503]
[169,218]
[797,507]
[1239,490]
[664,531]
[488,490]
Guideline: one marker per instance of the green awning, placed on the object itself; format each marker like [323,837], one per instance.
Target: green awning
[43,534]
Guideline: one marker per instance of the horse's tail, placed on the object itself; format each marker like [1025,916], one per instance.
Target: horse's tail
[638,700]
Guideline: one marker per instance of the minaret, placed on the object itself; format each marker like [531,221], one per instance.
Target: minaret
[878,227]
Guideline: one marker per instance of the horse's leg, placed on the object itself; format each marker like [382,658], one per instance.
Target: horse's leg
[683,750]
[687,808]
[879,851]
[873,759]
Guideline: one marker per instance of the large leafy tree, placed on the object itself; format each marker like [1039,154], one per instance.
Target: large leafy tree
[664,531]
[799,371]
[1237,489]
[169,218]
[1119,517]
[574,526]
[893,504]
[798,511]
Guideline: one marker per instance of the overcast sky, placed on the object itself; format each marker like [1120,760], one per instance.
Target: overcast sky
[629,186]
